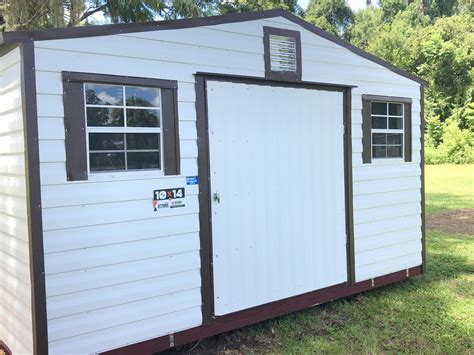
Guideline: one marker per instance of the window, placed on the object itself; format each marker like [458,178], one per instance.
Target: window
[123,127]
[386,128]
[119,124]
[282,54]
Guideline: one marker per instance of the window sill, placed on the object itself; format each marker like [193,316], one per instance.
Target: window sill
[126,175]
[387,161]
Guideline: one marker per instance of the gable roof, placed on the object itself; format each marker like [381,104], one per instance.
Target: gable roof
[104,30]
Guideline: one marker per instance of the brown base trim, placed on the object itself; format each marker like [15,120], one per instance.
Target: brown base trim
[264,312]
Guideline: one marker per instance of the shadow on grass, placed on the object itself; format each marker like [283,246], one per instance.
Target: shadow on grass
[442,201]
[423,314]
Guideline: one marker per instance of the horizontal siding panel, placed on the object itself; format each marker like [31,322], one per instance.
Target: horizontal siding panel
[75,281]
[13,287]
[388,239]
[383,268]
[12,143]
[10,78]
[51,128]
[116,337]
[15,313]
[382,199]
[14,165]
[11,100]
[386,226]
[13,206]
[47,60]
[16,331]
[386,212]
[94,321]
[12,121]
[120,253]
[13,185]
[188,149]
[386,185]
[9,59]
[53,173]
[87,215]
[15,267]
[84,193]
[189,166]
[187,130]
[96,236]
[87,301]
[380,171]
[14,226]
[50,105]
[186,112]
[15,247]
[122,46]
[387,253]
[52,151]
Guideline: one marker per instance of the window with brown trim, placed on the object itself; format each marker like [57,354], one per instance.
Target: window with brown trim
[118,124]
[282,53]
[386,128]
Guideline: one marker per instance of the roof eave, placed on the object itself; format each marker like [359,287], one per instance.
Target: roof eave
[104,30]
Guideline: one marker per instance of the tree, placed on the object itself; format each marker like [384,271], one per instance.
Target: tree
[331,15]
[259,5]
[32,14]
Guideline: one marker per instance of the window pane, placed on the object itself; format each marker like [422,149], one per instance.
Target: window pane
[107,161]
[395,123]
[394,138]
[108,117]
[139,141]
[379,108]
[379,138]
[394,151]
[140,96]
[395,109]
[143,160]
[99,94]
[143,118]
[379,122]
[379,151]
[106,141]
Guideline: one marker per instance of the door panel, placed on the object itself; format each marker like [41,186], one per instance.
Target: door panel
[277,172]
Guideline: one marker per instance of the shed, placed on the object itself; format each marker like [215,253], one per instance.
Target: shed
[164,182]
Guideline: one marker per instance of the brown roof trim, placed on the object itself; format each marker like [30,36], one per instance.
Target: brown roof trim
[103,30]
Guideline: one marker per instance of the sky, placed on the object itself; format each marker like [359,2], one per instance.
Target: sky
[354,4]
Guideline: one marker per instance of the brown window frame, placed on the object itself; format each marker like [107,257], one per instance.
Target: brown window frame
[279,75]
[75,120]
[367,125]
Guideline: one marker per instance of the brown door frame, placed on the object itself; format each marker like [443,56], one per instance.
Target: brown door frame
[205,216]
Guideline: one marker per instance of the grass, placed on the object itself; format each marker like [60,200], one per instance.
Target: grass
[430,314]
[449,187]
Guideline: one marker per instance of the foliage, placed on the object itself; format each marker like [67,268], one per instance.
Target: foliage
[259,5]
[332,15]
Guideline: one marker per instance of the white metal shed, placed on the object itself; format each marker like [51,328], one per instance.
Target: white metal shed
[164,182]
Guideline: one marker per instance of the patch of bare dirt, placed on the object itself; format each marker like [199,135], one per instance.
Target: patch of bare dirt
[452,221]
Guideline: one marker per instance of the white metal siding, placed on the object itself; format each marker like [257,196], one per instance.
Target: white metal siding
[107,218]
[15,285]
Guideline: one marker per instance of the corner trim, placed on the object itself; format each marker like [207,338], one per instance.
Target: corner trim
[33,193]
[423,212]
[267,311]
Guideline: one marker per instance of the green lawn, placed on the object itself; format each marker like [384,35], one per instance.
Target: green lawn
[449,187]
[431,314]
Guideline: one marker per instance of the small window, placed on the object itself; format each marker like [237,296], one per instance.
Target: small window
[123,127]
[386,128]
[118,124]
[282,54]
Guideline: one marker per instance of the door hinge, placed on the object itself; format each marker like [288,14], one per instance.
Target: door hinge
[171,340]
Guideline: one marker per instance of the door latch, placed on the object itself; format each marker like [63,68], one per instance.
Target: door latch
[217,197]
